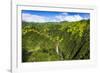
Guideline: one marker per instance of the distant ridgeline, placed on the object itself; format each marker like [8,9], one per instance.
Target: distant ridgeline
[55,41]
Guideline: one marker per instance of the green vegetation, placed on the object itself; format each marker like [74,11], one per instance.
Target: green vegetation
[55,41]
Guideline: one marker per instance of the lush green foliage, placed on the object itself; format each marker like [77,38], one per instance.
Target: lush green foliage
[55,41]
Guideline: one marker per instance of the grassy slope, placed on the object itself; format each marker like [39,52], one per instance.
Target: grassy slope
[40,41]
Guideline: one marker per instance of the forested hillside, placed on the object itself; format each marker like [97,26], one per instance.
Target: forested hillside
[55,41]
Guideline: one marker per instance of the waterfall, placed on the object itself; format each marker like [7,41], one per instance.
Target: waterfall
[57,50]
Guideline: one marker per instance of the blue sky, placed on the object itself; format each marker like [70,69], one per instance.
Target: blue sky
[47,16]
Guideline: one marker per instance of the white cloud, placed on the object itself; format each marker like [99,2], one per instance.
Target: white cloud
[69,18]
[33,18]
[73,18]
[61,17]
